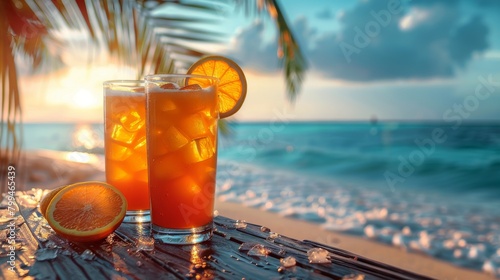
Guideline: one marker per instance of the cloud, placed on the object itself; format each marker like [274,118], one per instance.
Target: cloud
[377,41]
[489,3]
[421,42]
[253,51]
[325,14]
[473,31]
[434,2]
[304,33]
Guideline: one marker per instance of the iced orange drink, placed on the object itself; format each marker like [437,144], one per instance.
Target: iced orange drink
[182,139]
[125,145]
[182,116]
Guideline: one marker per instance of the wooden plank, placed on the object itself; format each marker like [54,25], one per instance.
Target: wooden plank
[345,262]
[15,264]
[280,248]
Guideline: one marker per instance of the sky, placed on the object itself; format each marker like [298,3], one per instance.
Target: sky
[413,60]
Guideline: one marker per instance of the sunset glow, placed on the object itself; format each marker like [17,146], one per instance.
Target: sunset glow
[85,98]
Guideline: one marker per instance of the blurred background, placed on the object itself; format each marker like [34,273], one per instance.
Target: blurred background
[375,118]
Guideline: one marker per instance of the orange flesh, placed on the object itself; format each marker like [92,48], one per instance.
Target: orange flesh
[86,210]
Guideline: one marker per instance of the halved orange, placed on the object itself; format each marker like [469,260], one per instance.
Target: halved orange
[86,211]
[232,88]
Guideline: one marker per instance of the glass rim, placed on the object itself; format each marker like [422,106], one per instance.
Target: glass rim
[149,78]
[110,82]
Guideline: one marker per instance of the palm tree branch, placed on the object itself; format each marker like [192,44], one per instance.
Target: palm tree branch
[289,51]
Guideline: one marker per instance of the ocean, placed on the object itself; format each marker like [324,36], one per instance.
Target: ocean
[432,188]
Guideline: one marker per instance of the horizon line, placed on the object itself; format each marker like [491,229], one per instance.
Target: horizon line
[305,121]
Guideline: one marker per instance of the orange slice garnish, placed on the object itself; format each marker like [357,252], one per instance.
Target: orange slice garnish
[232,88]
[86,211]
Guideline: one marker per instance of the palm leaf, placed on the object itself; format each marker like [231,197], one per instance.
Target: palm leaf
[19,33]
[289,52]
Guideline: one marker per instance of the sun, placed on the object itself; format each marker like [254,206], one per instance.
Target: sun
[84,98]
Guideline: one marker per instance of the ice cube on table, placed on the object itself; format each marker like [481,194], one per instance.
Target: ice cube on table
[318,255]
[272,236]
[145,243]
[240,224]
[258,250]
[87,255]
[288,261]
[245,247]
[44,234]
[46,254]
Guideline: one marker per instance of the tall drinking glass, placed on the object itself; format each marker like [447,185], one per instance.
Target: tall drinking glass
[182,114]
[125,145]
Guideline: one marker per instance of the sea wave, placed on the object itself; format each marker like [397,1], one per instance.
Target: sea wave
[453,171]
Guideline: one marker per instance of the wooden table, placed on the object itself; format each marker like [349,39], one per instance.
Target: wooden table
[41,254]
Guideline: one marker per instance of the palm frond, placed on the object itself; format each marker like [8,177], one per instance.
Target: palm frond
[20,32]
[294,61]
[289,52]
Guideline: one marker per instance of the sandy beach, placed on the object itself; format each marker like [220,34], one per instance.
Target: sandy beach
[49,169]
